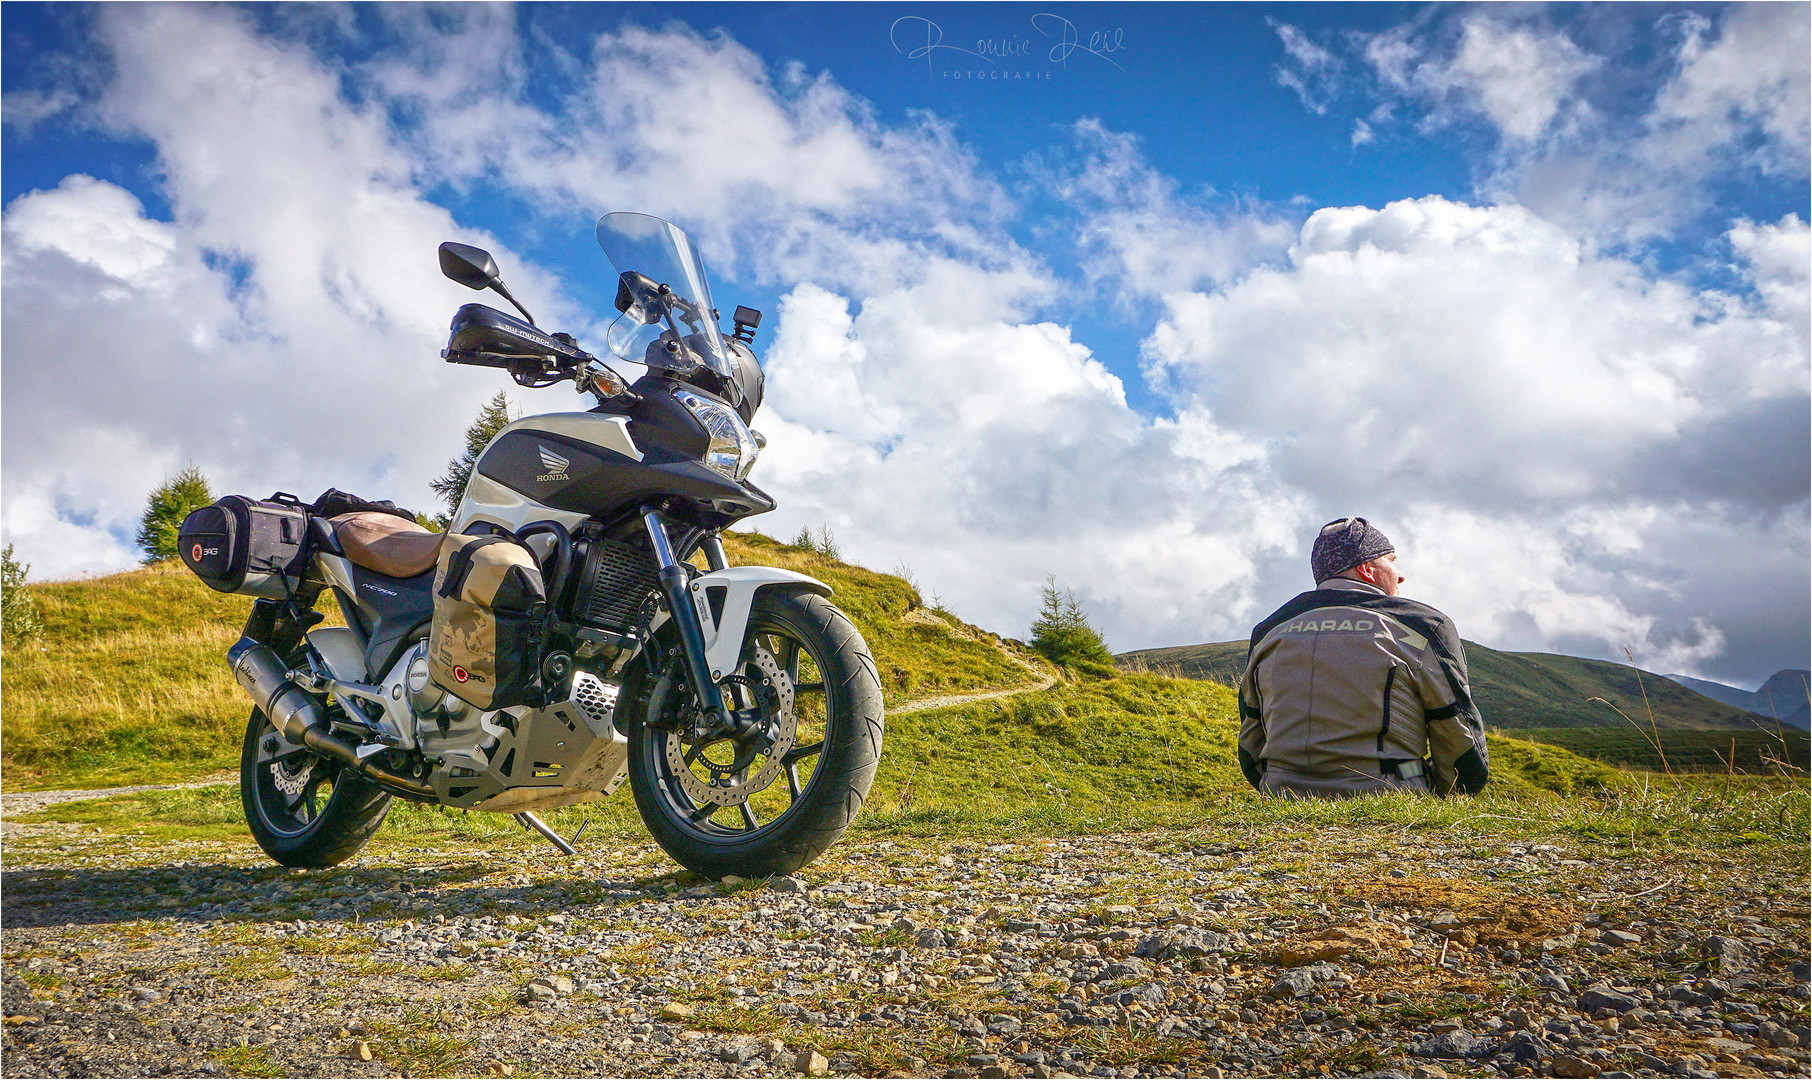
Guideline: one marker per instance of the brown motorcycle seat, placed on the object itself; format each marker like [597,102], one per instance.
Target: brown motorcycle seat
[387,544]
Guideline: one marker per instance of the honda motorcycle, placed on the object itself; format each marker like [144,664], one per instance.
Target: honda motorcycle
[742,706]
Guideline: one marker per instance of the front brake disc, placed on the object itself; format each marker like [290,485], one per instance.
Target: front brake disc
[720,784]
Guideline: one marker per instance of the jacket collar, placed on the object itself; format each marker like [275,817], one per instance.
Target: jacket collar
[1350,585]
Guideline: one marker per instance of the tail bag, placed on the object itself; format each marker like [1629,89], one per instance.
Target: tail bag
[490,607]
[252,548]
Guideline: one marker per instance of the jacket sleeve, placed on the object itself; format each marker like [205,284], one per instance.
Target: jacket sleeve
[1456,731]
[1251,726]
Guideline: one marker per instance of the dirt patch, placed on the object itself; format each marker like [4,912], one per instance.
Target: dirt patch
[1466,912]
[1366,936]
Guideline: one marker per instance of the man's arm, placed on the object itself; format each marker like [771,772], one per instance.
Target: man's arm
[1456,731]
[1251,726]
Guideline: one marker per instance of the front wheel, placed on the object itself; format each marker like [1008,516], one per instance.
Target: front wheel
[776,797]
[303,809]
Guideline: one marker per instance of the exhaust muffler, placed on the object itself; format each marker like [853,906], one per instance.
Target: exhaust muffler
[299,716]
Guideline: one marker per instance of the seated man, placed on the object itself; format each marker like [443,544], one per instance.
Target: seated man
[1349,687]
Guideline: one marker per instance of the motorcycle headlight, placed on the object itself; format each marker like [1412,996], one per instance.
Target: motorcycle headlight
[732,449]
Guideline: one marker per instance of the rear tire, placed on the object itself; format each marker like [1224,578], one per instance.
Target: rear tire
[807,662]
[303,809]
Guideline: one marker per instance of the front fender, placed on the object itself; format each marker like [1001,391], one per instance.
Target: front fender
[724,632]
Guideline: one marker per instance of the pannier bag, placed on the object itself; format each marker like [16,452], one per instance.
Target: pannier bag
[251,548]
[484,644]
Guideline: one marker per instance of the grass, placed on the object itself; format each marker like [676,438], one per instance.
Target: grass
[1127,752]
[127,682]
[1764,753]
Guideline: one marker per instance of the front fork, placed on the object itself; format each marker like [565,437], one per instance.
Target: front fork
[674,580]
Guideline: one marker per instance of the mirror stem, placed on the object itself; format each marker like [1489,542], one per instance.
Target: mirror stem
[497,283]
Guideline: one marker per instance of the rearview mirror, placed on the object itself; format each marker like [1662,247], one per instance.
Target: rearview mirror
[474,268]
[639,292]
[470,266]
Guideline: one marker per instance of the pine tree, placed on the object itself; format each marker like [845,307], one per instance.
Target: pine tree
[1062,634]
[18,611]
[165,508]
[491,419]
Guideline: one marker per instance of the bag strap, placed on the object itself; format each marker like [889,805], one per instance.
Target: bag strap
[460,566]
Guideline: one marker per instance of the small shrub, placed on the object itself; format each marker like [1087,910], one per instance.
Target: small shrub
[18,611]
[166,506]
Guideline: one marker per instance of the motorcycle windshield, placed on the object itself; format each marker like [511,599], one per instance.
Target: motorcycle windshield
[660,252]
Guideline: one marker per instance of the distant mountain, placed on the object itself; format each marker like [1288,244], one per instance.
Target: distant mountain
[1783,695]
[1514,690]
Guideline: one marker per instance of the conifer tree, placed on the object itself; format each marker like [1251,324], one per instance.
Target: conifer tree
[1062,634]
[491,419]
[165,508]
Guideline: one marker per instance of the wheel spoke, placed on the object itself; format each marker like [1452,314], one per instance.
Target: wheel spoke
[799,753]
[788,658]
[792,780]
[704,812]
[692,754]
[748,817]
[808,688]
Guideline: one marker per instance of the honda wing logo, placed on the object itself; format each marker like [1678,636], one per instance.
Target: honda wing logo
[555,464]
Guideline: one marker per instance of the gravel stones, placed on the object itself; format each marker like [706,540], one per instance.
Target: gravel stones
[1731,955]
[1181,942]
[1603,997]
[1040,953]
[1454,1044]
[1526,1048]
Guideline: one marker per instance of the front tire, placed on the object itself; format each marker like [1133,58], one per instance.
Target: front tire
[765,806]
[303,809]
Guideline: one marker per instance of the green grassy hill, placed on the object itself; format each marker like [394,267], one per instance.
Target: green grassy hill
[1515,690]
[128,684]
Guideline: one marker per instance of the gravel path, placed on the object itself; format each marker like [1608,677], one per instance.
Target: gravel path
[1121,956]
[15,803]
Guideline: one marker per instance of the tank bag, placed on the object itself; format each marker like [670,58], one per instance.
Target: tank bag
[490,608]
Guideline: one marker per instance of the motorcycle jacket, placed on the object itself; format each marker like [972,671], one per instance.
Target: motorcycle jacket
[1348,691]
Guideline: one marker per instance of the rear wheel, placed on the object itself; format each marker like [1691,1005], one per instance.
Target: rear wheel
[774,799]
[304,809]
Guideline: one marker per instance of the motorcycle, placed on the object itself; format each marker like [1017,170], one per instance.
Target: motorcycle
[742,706]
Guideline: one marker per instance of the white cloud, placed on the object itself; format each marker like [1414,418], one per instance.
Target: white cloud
[1574,140]
[281,332]
[1310,71]
[1516,409]
[1140,234]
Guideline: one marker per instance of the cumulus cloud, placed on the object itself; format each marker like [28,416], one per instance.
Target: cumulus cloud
[275,333]
[1479,377]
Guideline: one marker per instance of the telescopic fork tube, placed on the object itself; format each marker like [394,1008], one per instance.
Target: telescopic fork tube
[685,619]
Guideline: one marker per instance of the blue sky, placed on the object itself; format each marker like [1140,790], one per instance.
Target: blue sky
[1524,285]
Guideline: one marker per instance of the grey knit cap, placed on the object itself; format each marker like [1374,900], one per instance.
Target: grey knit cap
[1345,543]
